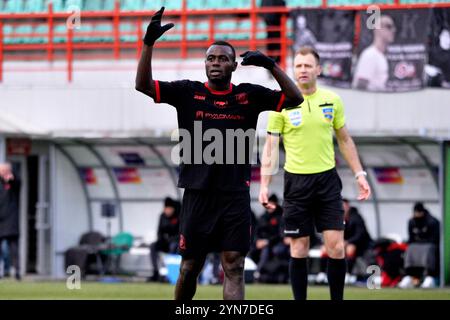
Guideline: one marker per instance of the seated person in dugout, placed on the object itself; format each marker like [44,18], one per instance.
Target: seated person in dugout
[422,254]
[168,230]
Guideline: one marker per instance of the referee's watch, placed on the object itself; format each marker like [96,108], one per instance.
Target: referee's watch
[360,173]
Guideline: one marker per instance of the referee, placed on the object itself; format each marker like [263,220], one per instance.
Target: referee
[215,214]
[312,187]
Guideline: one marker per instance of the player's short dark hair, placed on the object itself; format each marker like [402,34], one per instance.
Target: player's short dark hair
[419,207]
[226,44]
[308,50]
[169,202]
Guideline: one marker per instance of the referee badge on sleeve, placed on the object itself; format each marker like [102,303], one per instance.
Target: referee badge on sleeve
[295,117]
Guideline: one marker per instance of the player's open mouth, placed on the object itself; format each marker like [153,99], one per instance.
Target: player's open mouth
[215,72]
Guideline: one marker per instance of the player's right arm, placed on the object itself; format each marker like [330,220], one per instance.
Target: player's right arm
[144,78]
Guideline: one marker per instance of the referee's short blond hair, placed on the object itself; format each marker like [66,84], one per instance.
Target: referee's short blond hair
[308,50]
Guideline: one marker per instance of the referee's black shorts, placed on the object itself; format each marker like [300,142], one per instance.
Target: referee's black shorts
[214,221]
[312,200]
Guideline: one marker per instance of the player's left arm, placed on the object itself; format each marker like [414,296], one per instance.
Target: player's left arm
[348,149]
[293,96]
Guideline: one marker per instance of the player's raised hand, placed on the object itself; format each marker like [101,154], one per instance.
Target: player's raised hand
[256,58]
[155,30]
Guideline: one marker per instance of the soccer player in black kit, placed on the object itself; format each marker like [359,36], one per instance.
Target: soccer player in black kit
[215,213]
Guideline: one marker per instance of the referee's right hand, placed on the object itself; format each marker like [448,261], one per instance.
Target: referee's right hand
[264,198]
[155,30]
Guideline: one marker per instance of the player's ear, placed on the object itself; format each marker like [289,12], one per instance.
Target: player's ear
[319,70]
[235,64]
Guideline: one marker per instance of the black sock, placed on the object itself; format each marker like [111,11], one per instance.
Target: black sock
[298,271]
[336,278]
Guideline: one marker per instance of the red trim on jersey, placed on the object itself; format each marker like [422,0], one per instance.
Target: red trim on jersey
[280,104]
[158,91]
[221,93]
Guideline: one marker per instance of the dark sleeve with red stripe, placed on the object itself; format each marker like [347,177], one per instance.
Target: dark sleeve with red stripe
[264,99]
[172,93]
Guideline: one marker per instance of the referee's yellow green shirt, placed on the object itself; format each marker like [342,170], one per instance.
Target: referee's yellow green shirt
[307,132]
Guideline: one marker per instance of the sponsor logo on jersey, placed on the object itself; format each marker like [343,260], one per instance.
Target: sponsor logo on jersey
[199,96]
[296,231]
[202,115]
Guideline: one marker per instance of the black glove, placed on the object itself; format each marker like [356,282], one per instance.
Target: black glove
[256,58]
[155,30]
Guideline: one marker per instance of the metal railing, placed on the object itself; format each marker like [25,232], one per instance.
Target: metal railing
[69,50]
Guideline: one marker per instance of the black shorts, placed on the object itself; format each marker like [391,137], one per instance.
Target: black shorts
[312,200]
[214,221]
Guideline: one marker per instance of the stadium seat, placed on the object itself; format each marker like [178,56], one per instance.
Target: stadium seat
[91,5]
[34,6]
[70,4]
[60,33]
[23,33]
[152,4]
[305,3]
[197,30]
[58,5]
[120,244]
[42,32]
[224,29]
[131,5]
[107,32]
[13,6]
[172,4]
[108,5]
[128,27]
[7,34]
[196,4]
[81,34]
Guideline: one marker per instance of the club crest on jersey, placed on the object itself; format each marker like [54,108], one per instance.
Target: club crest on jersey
[295,117]
[242,98]
[328,114]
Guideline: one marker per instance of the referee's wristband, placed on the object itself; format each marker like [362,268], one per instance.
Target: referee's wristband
[360,173]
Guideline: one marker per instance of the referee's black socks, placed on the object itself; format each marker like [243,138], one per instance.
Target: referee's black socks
[298,270]
[336,278]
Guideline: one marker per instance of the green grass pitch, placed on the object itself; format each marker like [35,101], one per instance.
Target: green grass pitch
[143,291]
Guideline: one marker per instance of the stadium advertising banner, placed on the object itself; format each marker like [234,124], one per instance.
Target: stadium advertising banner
[128,175]
[88,175]
[389,175]
[331,33]
[392,51]
[438,67]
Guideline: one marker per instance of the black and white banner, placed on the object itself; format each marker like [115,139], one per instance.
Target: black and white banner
[438,67]
[392,51]
[331,33]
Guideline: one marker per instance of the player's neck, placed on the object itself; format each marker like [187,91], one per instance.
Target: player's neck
[380,45]
[308,89]
[219,86]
